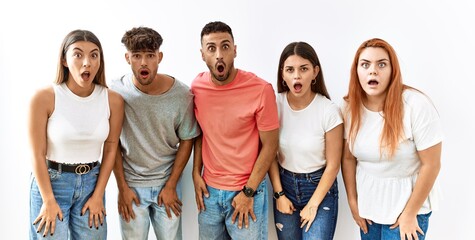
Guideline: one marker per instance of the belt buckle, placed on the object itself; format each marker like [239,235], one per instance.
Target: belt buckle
[82,169]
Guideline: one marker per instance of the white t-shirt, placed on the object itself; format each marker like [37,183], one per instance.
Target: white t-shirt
[302,133]
[384,185]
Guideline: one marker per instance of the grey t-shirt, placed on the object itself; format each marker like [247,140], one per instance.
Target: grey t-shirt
[153,127]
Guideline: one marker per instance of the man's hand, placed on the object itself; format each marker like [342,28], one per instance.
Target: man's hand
[125,199]
[200,190]
[169,198]
[243,206]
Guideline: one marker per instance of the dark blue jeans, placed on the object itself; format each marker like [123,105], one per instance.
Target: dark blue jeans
[378,231]
[299,188]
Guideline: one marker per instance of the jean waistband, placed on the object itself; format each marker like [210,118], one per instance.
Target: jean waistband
[302,175]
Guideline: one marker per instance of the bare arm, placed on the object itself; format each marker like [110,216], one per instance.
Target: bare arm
[126,195]
[333,150]
[269,141]
[95,203]
[283,204]
[430,167]
[168,195]
[244,205]
[41,108]
[200,185]
[348,168]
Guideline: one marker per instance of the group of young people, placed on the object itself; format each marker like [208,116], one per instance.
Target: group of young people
[386,138]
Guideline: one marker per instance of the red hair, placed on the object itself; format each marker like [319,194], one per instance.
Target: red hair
[393,111]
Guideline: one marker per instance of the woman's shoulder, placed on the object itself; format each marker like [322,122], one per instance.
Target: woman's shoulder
[114,97]
[44,94]
[416,99]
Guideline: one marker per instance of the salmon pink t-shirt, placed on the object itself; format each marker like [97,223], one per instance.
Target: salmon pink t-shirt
[231,117]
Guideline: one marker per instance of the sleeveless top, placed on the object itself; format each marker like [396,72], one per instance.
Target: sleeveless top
[78,126]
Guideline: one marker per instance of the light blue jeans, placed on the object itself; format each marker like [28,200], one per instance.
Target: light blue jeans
[71,192]
[299,188]
[149,211]
[215,221]
[378,231]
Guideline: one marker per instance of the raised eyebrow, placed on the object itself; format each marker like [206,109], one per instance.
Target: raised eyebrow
[210,44]
[380,60]
[77,49]
[225,41]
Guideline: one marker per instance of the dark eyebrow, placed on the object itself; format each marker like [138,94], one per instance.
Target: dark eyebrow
[303,65]
[77,49]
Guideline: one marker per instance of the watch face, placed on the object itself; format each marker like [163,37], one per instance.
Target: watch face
[249,192]
[278,194]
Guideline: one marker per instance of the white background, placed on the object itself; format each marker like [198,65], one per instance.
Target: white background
[435,42]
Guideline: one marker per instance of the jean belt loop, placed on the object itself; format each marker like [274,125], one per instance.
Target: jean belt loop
[60,168]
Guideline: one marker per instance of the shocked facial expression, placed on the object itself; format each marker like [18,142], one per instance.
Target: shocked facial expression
[218,51]
[144,65]
[298,73]
[83,60]
[374,71]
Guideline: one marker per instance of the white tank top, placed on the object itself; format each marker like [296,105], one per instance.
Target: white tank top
[78,127]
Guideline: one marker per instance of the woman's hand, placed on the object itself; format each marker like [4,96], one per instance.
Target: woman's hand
[97,211]
[284,205]
[47,217]
[408,227]
[307,215]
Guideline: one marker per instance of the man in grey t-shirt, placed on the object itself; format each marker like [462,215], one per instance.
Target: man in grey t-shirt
[156,141]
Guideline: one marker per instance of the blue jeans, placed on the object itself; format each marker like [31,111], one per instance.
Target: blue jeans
[378,231]
[71,192]
[149,211]
[215,221]
[299,188]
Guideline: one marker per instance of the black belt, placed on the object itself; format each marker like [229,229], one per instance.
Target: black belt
[74,168]
[302,175]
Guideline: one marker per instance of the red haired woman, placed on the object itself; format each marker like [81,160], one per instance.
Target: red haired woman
[391,157]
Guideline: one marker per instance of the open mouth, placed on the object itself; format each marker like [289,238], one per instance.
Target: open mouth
[85,75]
[373,82]
[220,67]
[298,87]
[144,73]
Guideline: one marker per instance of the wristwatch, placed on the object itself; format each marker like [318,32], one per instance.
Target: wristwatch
[249,192]
[278,194]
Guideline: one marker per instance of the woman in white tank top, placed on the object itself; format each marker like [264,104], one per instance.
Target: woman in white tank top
[74,129]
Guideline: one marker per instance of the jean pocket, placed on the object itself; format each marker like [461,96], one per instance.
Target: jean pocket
[314,178]
[53,174]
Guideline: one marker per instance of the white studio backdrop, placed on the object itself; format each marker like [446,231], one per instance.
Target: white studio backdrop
[435,42]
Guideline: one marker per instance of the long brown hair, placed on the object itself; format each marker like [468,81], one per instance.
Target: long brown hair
[393,111]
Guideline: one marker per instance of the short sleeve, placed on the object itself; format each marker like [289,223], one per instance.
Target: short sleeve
[266,115]
[333,116]
[426,125]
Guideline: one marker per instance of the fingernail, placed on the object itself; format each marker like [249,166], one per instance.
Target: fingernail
[81,214]
[90,226]
[101,224]
[38,231]
[44,235]
[97,228]
[52,234]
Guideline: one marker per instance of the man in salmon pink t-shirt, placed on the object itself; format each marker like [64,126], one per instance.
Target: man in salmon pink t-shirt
[237,113]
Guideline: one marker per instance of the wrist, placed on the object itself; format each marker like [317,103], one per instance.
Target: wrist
[277,195]
[248,191]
